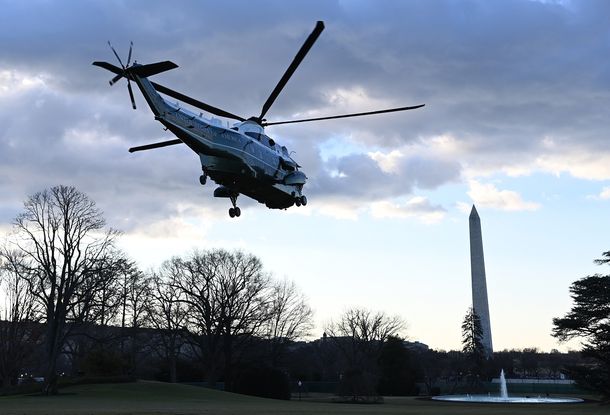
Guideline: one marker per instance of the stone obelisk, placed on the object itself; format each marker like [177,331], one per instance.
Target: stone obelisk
[479,284]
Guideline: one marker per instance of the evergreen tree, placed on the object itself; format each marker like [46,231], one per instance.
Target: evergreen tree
[472,342]
[397,371]
[589,320]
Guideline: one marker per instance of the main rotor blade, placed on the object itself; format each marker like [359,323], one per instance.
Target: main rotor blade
[345,115]
[155,145]
[293,66]
[192,101]
[133,101]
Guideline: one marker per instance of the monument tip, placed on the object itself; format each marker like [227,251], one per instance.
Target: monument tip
[473,212]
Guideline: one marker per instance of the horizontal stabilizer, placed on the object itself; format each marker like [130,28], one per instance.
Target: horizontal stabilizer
[155,145]
[108,66]
[152,68]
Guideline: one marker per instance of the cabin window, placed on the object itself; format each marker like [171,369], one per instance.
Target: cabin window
[268,139]
[253,135]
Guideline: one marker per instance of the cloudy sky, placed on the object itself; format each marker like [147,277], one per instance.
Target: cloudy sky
[516,121]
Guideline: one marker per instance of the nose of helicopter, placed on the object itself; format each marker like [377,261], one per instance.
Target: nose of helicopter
[295,178]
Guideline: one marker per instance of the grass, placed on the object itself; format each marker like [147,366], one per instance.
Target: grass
[162,398]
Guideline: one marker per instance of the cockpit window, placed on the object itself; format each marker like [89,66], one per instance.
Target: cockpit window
[287,165]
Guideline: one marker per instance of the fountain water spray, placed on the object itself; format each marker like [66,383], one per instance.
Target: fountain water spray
[503,398]
[503,389]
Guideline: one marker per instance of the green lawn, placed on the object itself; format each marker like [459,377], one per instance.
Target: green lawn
[162,398]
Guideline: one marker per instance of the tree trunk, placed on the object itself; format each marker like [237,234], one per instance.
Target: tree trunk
[50,379]
[228,349]
[52,348]
[211,376]
[50,385]
[172,368]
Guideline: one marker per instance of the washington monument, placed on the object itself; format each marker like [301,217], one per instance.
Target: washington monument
[479,284]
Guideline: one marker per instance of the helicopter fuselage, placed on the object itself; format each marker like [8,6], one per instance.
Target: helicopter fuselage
[241,158]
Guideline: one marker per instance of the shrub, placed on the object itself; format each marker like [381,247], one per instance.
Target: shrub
[264,382]
[99,362]
[359,386]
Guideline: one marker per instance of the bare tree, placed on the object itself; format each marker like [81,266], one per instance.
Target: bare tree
[61,232]
[136,289]
[195,279]
[290,317]
[360,334]
[365,332]
[225,292]
[135,296]
[19,331]
[97,304]
[107,299]
[168,315]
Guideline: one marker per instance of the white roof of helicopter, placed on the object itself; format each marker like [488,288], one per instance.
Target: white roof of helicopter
[252,126]
[242,127]
[249,126]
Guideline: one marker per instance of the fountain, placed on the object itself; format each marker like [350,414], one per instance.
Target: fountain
[503,398]
[503,388]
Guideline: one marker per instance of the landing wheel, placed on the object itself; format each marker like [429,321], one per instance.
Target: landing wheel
[297,202]
[303,200]
[235,211]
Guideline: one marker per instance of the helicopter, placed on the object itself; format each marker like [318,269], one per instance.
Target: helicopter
[240,159]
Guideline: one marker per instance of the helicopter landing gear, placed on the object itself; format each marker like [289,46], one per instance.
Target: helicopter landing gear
[300,201]
[235,211]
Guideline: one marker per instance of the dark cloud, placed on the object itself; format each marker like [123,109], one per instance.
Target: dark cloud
[360,176]
[498,76]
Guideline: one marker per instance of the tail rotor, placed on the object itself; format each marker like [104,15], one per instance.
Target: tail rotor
[124,73]
[130,72]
